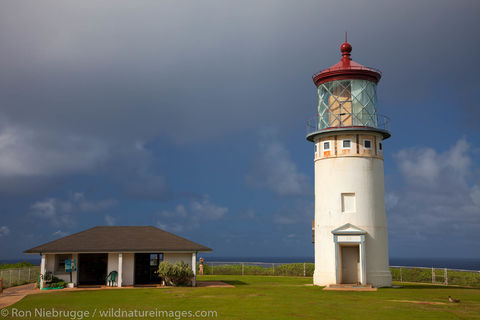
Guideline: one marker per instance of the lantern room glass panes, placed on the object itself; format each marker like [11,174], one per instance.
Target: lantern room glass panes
[344,103]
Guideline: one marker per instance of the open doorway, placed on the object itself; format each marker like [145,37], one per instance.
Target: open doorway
[92,268]
[350,255]
[146,266]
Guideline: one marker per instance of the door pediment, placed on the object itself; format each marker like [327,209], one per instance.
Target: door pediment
[348,229]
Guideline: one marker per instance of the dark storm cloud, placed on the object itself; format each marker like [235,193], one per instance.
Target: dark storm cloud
[192,70]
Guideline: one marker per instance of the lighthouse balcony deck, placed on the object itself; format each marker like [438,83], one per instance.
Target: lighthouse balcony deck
[347,122]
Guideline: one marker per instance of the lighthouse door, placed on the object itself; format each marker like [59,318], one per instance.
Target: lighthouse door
[350,264]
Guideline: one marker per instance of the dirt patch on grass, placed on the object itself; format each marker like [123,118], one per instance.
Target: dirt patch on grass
[421,302]
[214,284]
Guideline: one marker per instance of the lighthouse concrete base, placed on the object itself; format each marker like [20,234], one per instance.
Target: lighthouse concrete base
[380,278]
[376,279]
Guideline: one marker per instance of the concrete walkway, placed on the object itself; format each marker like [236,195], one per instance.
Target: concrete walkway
[14,294]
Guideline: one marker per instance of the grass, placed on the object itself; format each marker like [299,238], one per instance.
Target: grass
[266,297]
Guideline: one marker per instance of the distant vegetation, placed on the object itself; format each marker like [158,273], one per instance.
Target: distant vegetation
[290,269]
[16,265]
[421,275]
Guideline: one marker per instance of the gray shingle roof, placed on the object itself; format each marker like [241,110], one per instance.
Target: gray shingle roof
[119,239]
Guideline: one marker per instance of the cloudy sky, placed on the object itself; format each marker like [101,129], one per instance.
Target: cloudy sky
[190,116]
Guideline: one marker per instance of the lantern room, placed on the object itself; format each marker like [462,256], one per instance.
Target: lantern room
[347,95]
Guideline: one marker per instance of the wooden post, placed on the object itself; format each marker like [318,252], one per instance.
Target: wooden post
[243,269]
[433,275]
[446,276]
[273,269]
[304,273]
[401,278]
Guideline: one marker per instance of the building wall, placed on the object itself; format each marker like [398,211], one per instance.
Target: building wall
[128,269]
[112,262]
[112,265]
[50,260]
[361,174]
[176,257]
[357,148]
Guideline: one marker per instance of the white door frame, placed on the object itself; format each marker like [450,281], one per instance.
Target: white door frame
[349,234]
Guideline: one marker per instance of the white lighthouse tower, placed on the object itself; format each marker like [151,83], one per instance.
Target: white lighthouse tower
[350,227]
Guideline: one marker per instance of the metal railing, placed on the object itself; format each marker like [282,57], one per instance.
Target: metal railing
[442,276]
[445,276]
[301,269]
[18,276]
[347,120]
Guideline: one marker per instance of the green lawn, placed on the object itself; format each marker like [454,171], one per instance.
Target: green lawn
[264,297]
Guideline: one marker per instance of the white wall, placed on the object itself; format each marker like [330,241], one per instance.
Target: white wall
[364,177]
[176,257]
[127,269]
[50,266]
[112,262]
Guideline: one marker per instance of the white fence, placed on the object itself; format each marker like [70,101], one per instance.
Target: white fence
[18,276]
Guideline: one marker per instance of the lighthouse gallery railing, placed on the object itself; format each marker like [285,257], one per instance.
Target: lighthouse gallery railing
[347,120]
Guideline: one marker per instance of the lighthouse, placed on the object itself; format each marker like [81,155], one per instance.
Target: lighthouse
[350,227]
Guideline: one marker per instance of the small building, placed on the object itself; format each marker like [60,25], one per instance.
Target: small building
[133,251]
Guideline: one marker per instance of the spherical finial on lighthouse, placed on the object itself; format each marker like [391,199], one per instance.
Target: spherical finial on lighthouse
[346,48]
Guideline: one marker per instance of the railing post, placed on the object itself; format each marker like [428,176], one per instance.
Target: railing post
[433,275]
[243,271]
[10,282]
[304,273]
[273,269]
[212,268]
[19,275]
[446,276]
[29,269]
[401,278]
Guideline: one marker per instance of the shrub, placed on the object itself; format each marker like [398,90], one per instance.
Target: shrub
[175,274]
[60,284]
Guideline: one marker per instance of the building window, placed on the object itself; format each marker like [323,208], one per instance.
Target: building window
[155,259]
[60,262]
[348,202]
[315,148]
[347,144]
[326,145]
[367,144]
[380,147]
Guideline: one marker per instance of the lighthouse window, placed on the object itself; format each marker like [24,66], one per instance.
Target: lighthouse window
[315,148]
[367,144]
[380,146]
[326,145]
[347,144]
[348,202]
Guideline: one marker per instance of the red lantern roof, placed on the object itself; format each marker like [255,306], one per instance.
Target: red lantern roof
[346,69]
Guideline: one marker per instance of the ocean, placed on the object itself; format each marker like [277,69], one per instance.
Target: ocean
[450,263]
